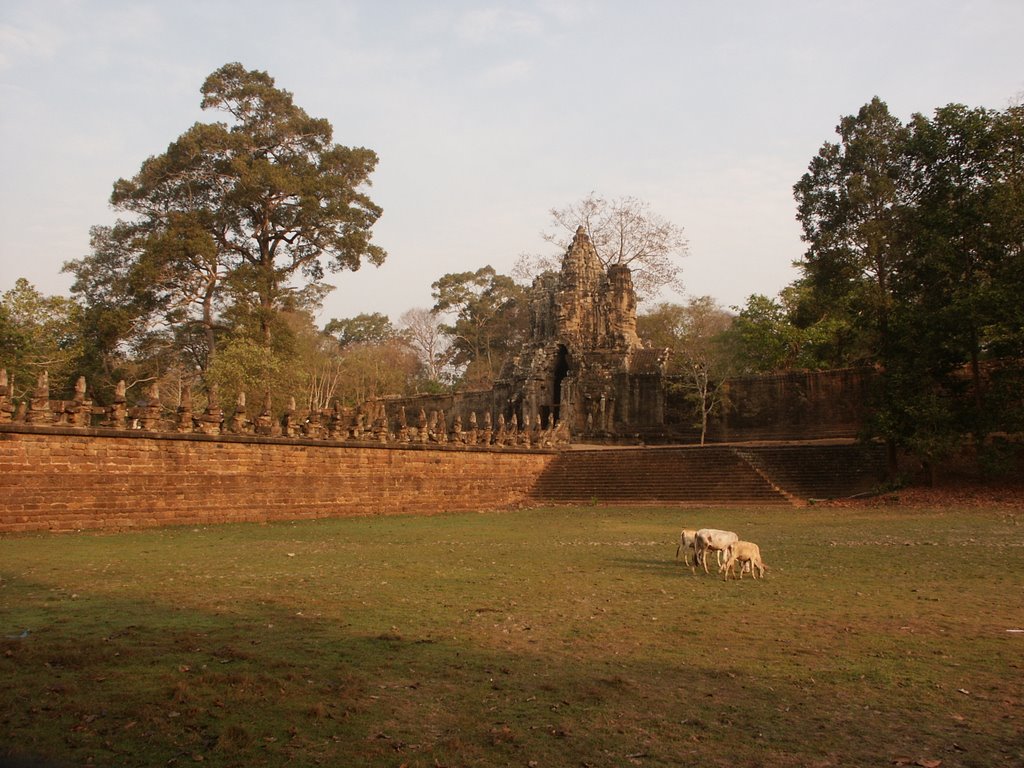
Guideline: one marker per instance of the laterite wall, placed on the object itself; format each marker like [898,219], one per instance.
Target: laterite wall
[65,479]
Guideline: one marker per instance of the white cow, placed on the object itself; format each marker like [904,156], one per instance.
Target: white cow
[708,539]
[687,539]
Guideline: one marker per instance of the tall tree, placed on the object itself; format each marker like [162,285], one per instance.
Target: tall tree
[240,213]
[914,253]
[1005,335]
[945,287]
[849,205]
[958,302]
[624,231]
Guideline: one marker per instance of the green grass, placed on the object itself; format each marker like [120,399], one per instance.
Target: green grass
[551,637]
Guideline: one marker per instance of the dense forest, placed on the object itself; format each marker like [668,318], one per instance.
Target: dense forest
[214,275]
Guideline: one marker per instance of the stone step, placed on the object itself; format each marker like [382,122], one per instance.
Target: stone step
[658,474]
[821,471]
[713,474]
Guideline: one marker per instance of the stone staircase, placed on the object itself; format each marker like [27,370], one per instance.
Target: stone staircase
[698,475]
[820,470]
[755,475]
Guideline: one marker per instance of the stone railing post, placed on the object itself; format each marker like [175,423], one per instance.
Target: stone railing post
[265,423]
[151,412]
[39,411]
[289,427]
[183,420]
[6,401]
[117,411]
[79,410]
[239,423]
[210,420]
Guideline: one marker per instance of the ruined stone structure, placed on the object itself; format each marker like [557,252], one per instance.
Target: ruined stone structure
[585,373]
[584,365]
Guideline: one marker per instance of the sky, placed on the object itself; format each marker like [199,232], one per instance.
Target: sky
[486,115]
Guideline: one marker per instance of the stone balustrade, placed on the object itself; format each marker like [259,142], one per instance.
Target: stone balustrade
[367,423]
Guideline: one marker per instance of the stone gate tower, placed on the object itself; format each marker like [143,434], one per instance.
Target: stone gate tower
[584,365]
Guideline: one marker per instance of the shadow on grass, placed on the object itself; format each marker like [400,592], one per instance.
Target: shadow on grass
[130,682]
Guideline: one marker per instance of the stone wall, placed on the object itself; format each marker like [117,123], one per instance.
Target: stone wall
[802,405]
[54,478]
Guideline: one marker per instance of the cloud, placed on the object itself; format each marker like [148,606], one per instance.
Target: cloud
[505,73]
[19,43]
[39,34]
[484,25]
[566,11]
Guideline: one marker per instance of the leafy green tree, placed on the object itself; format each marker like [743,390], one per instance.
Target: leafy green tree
[763,336]
[1006,335]
[302,362]
[244,365]
[289,366]
[945,287]
[488,320]
[365,328]
[787,333]
[38,333]
[915,258]
[849,204]
[959,287]
[119,315]
[232,217]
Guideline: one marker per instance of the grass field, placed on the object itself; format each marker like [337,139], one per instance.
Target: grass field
[548,637]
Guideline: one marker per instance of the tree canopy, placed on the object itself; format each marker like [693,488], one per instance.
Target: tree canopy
[38,333]
[365,328]
[914,262]
[237,219]
[849,203]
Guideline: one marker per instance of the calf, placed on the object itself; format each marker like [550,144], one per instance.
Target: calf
[744,552]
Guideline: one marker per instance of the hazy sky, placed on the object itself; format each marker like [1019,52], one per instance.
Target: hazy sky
[485,115]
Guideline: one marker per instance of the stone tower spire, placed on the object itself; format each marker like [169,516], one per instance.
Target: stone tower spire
[594,309]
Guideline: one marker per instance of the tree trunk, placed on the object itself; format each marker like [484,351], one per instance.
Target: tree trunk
[211,340]
[892,459]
